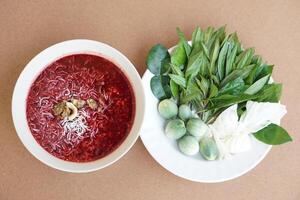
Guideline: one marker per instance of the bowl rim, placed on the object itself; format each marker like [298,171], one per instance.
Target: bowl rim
[37,64]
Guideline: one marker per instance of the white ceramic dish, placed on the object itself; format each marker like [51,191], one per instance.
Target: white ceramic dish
[167,154]
[33,69]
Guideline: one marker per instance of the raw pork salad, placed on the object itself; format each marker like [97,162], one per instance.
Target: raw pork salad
[215,95]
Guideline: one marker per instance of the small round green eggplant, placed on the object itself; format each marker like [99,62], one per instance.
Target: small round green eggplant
[196,127]
[184,112]
[167,108]
[175,129]
[188,145]
[208,148]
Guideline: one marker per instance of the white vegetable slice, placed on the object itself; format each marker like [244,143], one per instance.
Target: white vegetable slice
[258,115]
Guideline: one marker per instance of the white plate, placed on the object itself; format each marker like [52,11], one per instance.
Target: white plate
[167,154]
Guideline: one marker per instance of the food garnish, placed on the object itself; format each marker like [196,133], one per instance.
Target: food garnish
[79,103]
[92,104]
[73,110]
[69,109]
[60,108]
[217,93]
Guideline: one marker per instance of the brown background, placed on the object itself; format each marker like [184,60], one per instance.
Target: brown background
[133,27]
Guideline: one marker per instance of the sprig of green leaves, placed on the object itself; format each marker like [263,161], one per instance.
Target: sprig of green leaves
[213,73]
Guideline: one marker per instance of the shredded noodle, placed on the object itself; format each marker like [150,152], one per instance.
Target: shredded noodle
[93,133]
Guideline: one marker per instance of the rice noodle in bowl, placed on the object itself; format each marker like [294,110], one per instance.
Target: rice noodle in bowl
[85,136]
[93,133]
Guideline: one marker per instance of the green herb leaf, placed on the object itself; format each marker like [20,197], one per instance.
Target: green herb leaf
[215,79]
[230,59]
[235,87]
[241,109]
[225,40]
[156,57]
[243,73]
[256,59]
[174,89]
[193,65]
[204,66]
[184,42]
[251,78]
[273,135]
[160,86]
[215,36]
[208,34]
[178,55]
[176,70]
[263,70]
[192,87]
[244,58]
[191,93]
[258,85]
[221,60]
[186,99]
[214,56]
[213,90]
[227,100]
[203,85]
[165,66]
[205,50]
[196,37]
[179,80]
[270,93]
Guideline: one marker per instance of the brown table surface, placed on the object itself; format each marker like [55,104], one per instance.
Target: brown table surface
[27,27]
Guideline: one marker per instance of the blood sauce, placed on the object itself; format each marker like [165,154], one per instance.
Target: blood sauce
[101,123]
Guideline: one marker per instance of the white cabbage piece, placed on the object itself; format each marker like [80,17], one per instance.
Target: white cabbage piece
[232,134]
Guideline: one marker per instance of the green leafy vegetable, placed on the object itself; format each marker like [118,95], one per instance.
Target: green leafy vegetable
[264,70]
[270,93]
[203,78]
[230,59]
[176,70]
[196,37]
[156,57]
[174,89]
[193,65]
[273,135]
[244,58]
[213,90]
[179,80]
[234,87]
[203,85]
[178,55]
[227,100]
[258,85]
[184,42]
[243,73]
[214,55]
[160,87]
[221,60]
[205,50]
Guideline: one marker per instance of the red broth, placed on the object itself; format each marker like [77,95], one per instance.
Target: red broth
[96,133]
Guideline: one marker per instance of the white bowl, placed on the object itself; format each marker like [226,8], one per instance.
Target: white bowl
[34,68]
[193,168]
